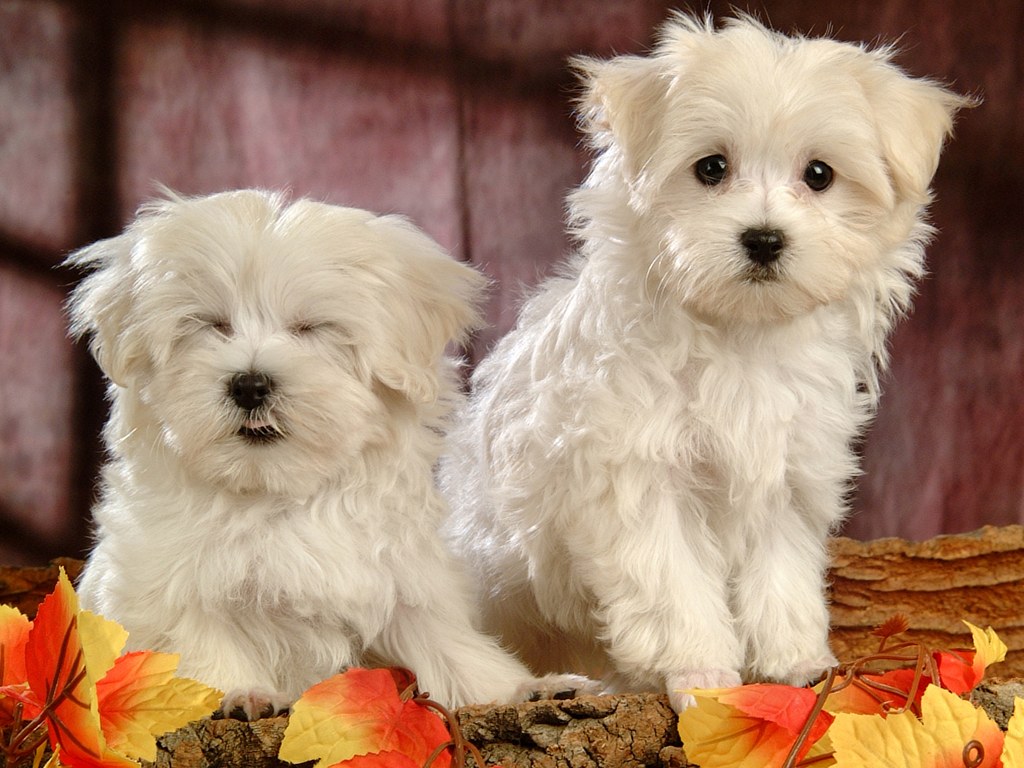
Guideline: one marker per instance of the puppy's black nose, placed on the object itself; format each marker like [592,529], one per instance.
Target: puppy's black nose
[250,389]
[763,245]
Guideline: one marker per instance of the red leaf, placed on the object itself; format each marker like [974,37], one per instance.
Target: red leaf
[360,713]
[956,670]
[55,662]
[783,705]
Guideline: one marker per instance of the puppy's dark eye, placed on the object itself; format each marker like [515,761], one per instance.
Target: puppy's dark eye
[306,327]
[818,175]
[711,170]
[218,324]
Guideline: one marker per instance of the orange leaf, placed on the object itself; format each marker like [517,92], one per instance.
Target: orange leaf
[139,699]
[14,627]
[358,713]
[873,694]
[752,726]
[783,705]
[961,671]
[58,672]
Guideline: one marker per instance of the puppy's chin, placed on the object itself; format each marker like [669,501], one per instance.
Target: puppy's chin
[245,466]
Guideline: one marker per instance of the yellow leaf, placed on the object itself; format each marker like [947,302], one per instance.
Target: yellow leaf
[940,739]
[53,762]
[1013,747]
[102,642]
[989,648]
[140,699]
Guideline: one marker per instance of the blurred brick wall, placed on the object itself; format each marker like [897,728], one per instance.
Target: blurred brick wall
[458,113]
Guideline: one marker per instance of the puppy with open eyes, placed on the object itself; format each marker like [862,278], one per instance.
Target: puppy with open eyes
[652,460]
[279,387]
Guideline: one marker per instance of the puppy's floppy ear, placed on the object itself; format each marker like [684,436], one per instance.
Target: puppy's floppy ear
[434,300]
[914,117]
[101,304]
[623,106]
[625,100]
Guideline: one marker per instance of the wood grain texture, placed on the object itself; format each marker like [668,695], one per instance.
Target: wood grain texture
[936,584]
[458,113]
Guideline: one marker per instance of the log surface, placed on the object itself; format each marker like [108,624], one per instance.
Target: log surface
[936,584]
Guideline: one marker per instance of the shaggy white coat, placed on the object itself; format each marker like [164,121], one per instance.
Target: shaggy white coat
[270,565]
[652,460]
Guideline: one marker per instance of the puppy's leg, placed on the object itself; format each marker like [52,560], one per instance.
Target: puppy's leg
[780,603]
[459,665]
[247,659]
[659,582]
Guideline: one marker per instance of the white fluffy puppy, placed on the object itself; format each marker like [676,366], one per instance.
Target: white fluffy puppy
[268,510]
[652,461]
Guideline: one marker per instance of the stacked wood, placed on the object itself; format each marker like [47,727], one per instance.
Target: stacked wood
[936,584]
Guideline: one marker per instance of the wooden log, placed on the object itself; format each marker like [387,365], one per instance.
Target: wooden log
[936,584]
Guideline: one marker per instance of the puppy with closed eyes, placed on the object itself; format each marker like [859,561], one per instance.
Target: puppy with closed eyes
[652,461]
[279,389]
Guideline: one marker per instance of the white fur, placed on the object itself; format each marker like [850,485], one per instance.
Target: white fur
[270,566]
[652,460]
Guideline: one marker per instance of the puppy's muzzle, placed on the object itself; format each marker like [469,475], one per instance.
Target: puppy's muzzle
[250,389]
[763,246]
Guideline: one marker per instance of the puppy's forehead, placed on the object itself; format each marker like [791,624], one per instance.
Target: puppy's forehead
[745,85]
[764,77]
[226,251]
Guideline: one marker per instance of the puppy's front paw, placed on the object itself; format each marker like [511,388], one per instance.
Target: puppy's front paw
[808,671]
[556,687]
[242,704]
[678,684]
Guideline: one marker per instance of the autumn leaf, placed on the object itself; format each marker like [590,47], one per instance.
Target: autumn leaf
[961,671]
[989,649]
[14,628]
[1013,746]
[752,726]
[872,694]
[102,642]
[140,698]
[58,671]
[360,713]
[949,729]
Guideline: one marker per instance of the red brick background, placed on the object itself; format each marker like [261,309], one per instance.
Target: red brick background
[458,113]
